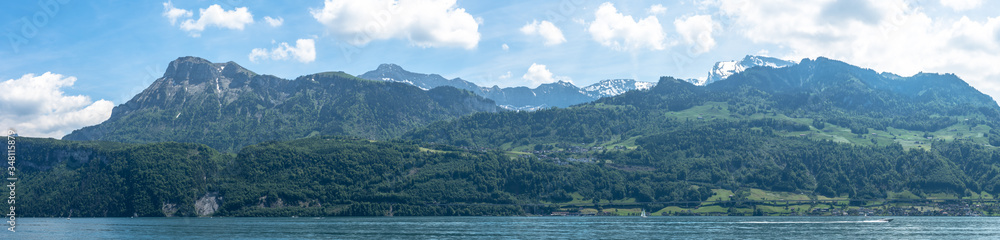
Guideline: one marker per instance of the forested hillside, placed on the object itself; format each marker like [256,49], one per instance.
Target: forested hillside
[335,176]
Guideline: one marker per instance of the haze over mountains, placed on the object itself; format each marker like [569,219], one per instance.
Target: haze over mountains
[558,94]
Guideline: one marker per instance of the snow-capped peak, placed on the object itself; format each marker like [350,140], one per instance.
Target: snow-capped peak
[723,70]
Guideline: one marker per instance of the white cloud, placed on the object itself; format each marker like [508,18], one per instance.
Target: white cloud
[886,35]
[172,13]
[613,29]
[962,5]
[304,51]
[424,23]
[274,22]
[505,47]
[36,106]
[657,9]
[216,16]
[505,76]
[539,74]
[697,31]
[548,31]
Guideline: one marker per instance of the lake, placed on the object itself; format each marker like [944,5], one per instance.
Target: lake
[508,227]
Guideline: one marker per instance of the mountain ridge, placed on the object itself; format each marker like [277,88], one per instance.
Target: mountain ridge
[556,94]
[227,106]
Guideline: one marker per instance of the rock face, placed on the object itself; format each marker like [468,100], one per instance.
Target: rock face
[208,204]
[226,106]
[558,94]
[169,209]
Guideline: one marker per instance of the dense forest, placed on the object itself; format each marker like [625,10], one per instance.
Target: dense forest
[338,176]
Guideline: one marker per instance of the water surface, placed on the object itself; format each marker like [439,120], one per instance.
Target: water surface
[508,228]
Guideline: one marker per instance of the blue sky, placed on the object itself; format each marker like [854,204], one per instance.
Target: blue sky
[101,53]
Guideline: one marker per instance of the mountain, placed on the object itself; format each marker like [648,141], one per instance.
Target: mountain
[723,70]
[395,73]
[836,100]
[558,94]
[227,106]
[801,128]
[833,99]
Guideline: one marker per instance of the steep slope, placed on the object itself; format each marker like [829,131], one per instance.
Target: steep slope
[226,107]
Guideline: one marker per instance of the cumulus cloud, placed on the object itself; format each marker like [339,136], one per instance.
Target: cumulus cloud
[697,31]
[216,16]
[304,51]
[657,9]
[424,23]
[539,74]
[274,22]
[548,31]
[886,35]
[962,5]
[620,32]
[172,13]
[37,107]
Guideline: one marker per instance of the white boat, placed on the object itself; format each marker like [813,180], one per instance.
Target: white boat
[643,213]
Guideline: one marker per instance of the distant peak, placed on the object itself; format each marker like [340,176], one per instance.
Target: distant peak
[191,59]
[388,67]
[724,69]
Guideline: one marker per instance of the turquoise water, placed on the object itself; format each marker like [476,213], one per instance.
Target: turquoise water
[508,228]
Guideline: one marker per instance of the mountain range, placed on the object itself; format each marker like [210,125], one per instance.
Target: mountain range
[559,94]
[227,107]
[215,139]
